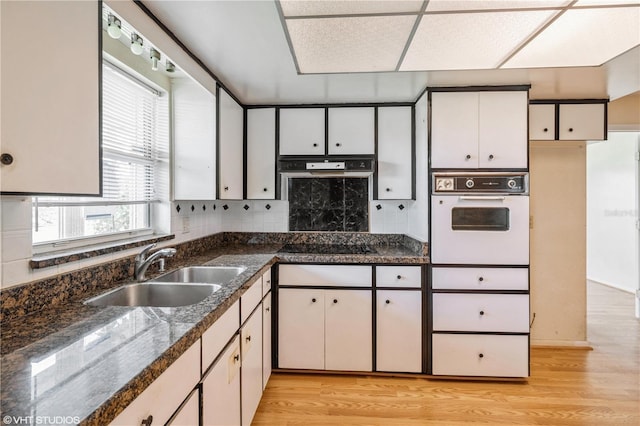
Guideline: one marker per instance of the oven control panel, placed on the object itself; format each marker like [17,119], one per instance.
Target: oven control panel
[487,182]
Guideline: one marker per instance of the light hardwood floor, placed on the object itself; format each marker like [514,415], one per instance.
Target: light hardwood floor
[566,387]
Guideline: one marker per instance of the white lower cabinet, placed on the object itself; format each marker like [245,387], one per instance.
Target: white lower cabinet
[266,339]
[480,355]
[399,331]
[325,329]
[165,395]
[189,414]
[221,389]
[251,370]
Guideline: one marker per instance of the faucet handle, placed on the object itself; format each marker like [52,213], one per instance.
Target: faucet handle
[143,254]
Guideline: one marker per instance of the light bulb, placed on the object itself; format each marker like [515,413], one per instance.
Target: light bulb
[170,67]
[136,44]
[114,27]
[155,57]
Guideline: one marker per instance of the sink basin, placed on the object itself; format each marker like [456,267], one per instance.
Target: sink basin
[155,294]
[202,274]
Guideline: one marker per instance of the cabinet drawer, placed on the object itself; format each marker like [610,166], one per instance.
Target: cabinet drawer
[266,283]
[480,355]
[250,300]
[163,397]
[217,336]
[398,276]
[480,279]
[481,312]
[325,275]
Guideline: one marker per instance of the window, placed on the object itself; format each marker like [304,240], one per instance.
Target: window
[135,145]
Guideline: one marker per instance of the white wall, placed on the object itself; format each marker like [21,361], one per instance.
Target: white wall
[419,210]
[612,203]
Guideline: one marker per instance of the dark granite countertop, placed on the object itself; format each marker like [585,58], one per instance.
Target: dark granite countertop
[88,363]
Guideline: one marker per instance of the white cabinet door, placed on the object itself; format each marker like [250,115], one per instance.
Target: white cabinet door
[266,340]
[351,131]
[163,397]
[502,131]
[480,278]
[194,141]
[221,389]
[231,141]
[454,130]
[50,97]
[301,328]
[302,131]
[251,371]
[325,275]
[348,330]
[542,122]
[394,175]
[399,331]
[582,122]
[189,414]
[261,154]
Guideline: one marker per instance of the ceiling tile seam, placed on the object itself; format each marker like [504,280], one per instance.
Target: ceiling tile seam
[472,11]
[287,36]
[535,34]
[416,24]
[352,15]
[604,6]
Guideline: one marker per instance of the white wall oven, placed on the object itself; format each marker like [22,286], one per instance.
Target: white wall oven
[480,218]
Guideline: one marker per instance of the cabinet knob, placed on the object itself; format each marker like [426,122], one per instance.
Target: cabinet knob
[248,338]
[6,159]
[236,358]
[480,355]
[571,129]
[265,189]
[545,130]
[490,156]
[481,313]
[468,157]
[313,300]
[226,188]
[481,279]
[387,301]
[388,189]
[267,309]
[147,421]
[315,145]
[335,300]
[399,277]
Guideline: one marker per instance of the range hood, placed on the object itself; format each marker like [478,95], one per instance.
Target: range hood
[353,166]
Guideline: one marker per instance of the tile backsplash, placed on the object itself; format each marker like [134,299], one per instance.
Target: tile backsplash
[329,204]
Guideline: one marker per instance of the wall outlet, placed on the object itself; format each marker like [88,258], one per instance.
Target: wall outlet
[186,224]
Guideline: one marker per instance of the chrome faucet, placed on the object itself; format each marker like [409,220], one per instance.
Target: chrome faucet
[143,262]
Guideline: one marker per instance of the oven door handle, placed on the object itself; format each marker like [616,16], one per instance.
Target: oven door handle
[480,198]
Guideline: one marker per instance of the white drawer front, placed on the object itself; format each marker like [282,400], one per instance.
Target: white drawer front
[329,275]
[398,276]
[266,283]
[481,312]
[220,332]
[250,299]
[480,279]
[480,355]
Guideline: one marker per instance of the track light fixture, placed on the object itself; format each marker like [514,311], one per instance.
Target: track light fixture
[114,26]
[155,57]
[170,67]
[136,44]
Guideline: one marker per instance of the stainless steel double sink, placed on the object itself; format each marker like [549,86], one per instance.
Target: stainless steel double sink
[182,287]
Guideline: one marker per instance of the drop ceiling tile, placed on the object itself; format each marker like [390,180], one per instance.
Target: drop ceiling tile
[352,7]
[357,44]
[466,5]
[605,2]
[582,37]
[470,40]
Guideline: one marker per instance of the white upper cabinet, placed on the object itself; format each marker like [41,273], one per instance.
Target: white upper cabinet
[472,130]
[302,131]
[351,131]
[194,146]
[261,146]
[582,122]
[50,97]
[395,177]
[231,140]
[542,122]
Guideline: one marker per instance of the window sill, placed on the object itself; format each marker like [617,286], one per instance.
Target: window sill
[67,256]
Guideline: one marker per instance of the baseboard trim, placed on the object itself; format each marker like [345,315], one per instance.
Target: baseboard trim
[561,344]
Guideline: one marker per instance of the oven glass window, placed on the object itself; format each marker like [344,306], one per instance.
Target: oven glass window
[480,219]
